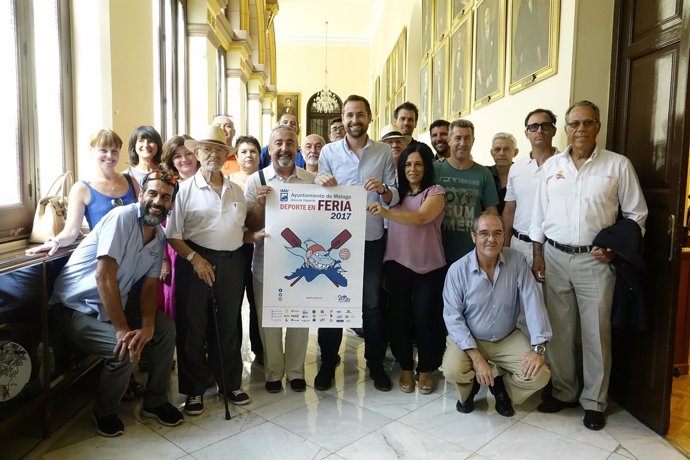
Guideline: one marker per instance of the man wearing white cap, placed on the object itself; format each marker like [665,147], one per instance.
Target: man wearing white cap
[396,140]
[206,231]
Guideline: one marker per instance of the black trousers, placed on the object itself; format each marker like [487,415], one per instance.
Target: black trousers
[196,326]
[254,335]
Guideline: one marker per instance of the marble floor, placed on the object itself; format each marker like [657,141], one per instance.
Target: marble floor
[355,421]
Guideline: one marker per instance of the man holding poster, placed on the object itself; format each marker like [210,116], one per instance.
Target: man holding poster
[282,170]
[358,160]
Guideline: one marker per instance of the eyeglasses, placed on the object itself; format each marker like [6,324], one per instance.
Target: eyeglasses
[534,127]
[484,234]
[585,123]
[161,176]
[336,129]
[208,149]
[116,202]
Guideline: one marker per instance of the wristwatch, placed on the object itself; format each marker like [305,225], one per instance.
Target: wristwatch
[190,256]
[385,190]
[539,349]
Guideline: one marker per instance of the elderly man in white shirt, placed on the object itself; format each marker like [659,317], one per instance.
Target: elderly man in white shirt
[278,361]
[578,196]
[206,229]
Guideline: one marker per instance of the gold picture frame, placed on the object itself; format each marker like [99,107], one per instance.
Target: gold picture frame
[441,19]
[425,95]
[287,103]
[534,28]
[460,68]
[427,28]
[376,105]
[401,60]
[460,7]
[439,77]
[489,51]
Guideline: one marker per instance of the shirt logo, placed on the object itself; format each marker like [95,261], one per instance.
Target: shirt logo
[559,175]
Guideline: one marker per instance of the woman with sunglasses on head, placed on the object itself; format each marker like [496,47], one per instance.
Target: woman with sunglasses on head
[96,197]
[182,163]
[145,151]
[414,265]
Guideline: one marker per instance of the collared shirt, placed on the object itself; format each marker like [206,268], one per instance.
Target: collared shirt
[375,162]
[523,180]
[299,176]
[212,221]
[477,309]
[120,235]
[573,205]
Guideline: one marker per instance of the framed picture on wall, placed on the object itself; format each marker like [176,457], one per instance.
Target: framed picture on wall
[287,103]
[427,33]
[376,105]
[424,96]
[402,56]
[460,68]
[441,18]
[534,51]
[461,7]
[489,51]
[440,76]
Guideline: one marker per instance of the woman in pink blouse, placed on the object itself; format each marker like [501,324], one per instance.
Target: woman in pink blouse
[415,268]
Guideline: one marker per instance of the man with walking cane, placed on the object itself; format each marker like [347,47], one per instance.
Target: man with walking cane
[206,231]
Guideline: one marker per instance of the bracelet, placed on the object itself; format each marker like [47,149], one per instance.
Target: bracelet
[190,256]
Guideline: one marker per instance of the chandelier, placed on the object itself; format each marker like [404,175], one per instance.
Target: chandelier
[326,101]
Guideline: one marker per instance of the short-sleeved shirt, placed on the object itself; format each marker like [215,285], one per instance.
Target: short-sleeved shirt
[119,235]
[523,180]
[468,193]
[417,247]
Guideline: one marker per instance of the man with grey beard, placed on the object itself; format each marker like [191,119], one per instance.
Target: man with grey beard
[89,303]
[311,150]
[206,230]
[279,361]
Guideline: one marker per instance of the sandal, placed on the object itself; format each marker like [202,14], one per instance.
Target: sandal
[426,382]
[406,382]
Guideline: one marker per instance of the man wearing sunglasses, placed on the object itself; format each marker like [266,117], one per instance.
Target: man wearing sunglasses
[579,194]
[540,127]
[89,303]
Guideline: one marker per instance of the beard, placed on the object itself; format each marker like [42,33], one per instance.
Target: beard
[150,219]
[285,161]
[311,161]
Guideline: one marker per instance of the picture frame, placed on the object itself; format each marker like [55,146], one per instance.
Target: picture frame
[460,7]
[375,106]
[489,51]
[425,96]
[287,103]
[460,85]
[440,82]
[441,19]
[427,28]
[401,60]
[534,28]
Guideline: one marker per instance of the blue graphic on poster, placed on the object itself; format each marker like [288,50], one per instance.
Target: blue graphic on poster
[314,256]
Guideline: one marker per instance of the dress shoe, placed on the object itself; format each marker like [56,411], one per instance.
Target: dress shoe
[549,405]
[468,405]
[503,403]
[274,386]
[324,378]
[298,385]
[381,380]
[594,420]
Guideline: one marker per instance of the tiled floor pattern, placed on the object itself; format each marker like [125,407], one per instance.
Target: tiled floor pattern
[355,421]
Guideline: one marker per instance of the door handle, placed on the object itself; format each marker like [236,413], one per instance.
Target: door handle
[671,231]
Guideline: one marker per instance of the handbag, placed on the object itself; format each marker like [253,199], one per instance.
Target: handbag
[51,212]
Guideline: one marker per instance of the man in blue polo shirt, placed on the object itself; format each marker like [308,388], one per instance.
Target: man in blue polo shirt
[90,296]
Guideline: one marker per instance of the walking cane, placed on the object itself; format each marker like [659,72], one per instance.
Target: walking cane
[220,352]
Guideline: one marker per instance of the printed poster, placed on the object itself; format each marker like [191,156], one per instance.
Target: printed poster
[314,256]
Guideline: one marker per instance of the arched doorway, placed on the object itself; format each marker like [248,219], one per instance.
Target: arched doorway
[319,122]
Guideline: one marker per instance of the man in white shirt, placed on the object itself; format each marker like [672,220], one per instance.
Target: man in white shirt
[523,179]
[206,229]
[278,361]
[579,195]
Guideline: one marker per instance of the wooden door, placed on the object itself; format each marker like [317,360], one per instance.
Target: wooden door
[648,124]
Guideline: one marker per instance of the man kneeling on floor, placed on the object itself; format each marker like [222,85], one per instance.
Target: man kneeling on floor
[482,296]
[90,296]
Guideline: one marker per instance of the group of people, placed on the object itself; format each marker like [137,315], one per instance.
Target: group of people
[458,260]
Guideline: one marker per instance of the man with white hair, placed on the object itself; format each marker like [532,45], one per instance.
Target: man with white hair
[311,150]
[503,150]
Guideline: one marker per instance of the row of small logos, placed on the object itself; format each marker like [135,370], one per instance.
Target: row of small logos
[311,315]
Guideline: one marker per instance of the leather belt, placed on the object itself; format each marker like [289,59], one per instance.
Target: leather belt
[570,249]
[521,236]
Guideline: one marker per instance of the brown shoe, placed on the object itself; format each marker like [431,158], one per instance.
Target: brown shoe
[406,382]
[426,382]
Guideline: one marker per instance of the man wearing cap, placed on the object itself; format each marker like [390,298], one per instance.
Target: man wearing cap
[439,139]
[311,150]
[395,140]
[289,119]
[90,298]
[226,123]
[337,130]
[406,116]
[206,231]
[279,361]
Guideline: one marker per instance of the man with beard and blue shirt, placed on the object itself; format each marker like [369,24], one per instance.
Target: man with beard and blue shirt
[90,296]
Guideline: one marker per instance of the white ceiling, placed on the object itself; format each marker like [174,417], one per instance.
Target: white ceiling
[350,22]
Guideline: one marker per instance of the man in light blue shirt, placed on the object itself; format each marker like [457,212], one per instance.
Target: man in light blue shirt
[482,297]
[90,296]
[358,160]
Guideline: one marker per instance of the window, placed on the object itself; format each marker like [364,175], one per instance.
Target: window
[320,123]
[36,110]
